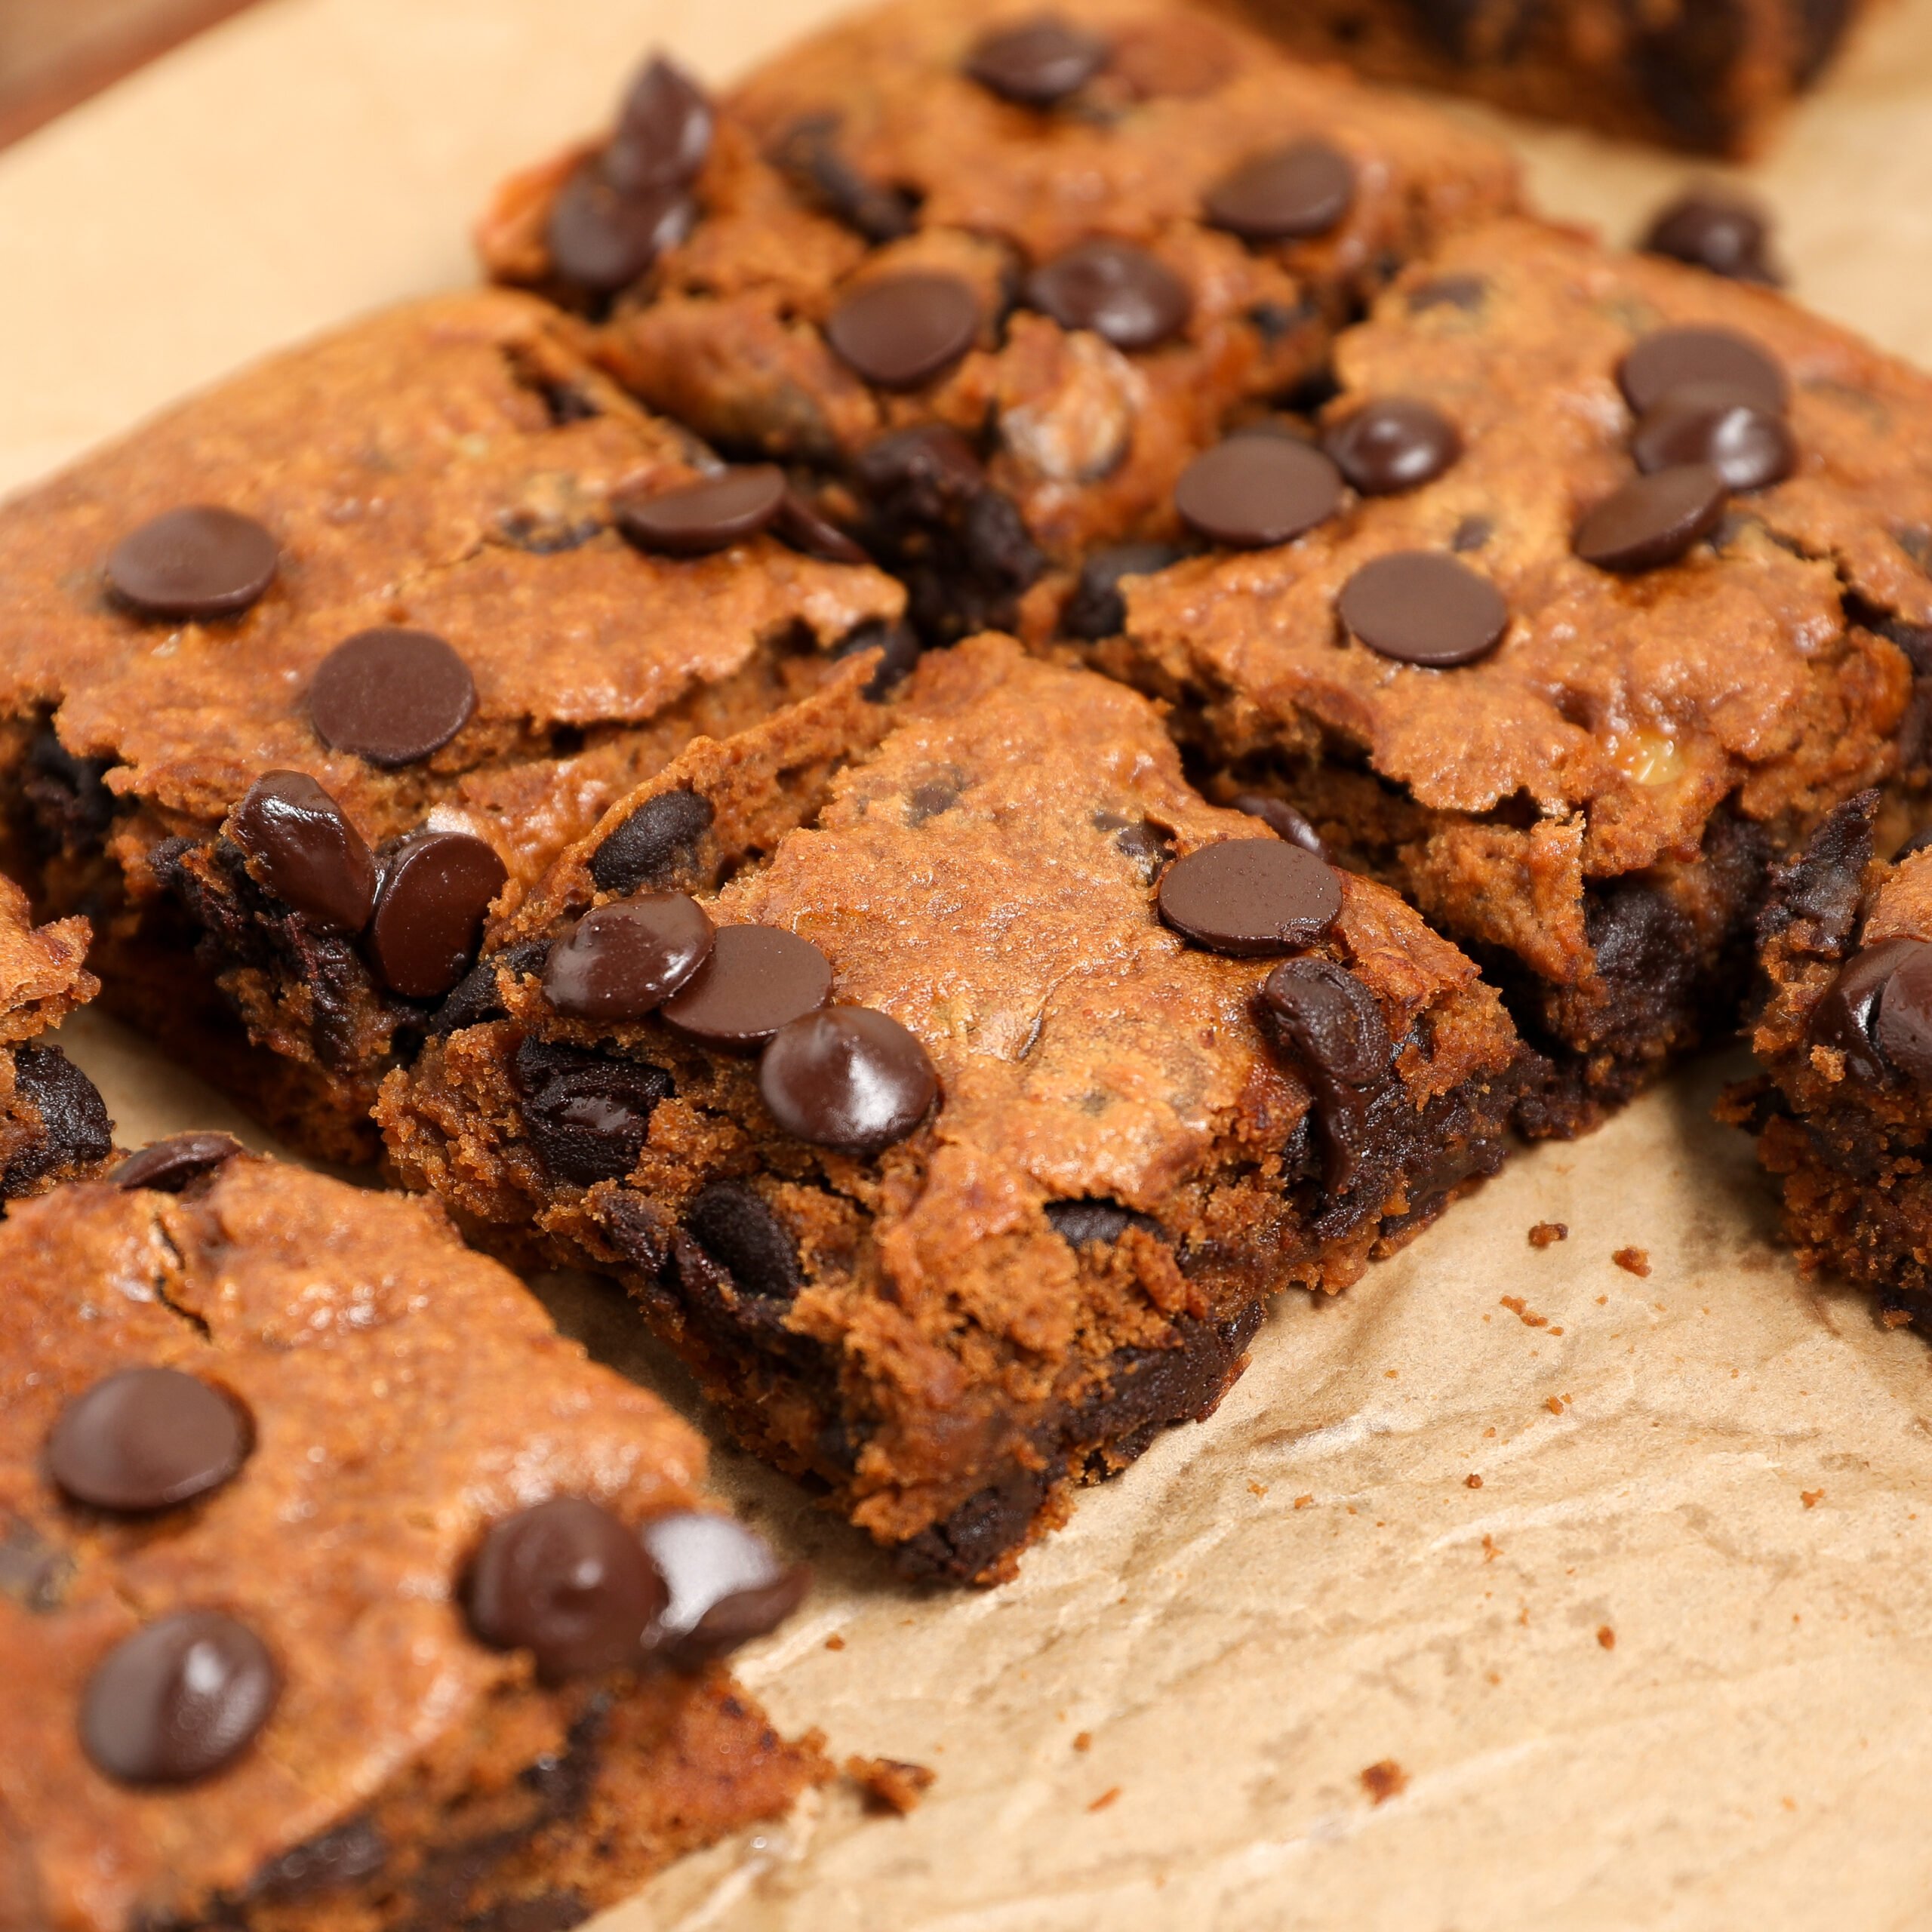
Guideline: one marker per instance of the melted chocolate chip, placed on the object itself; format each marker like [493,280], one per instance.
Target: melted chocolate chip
[588,1116]
[302,849]
[757,979]
[477,997]
[1331,1026]
[1250,896]
[808,154]
[848,1078]
[726,1587]
[1667,359]
[1394,444]
[1844,1018]
[898,646]
[1303,189]
[1252,490]
[799,525]
[663,133]
[568,1582]
[601,237]
[1716,231]
[1095,1223]
[651,847]
[166,1166]
[436,888]
[1419,607]
[901,330]
[144,1439]
[624,960]
[704,516]
[201,561]
[1097,609]
[1903,1025]
[735,1227]
[1653,520]
[391,696]
[178,1700]
[74,1130]
[1037,63]
[352,1851]
[1126,295]
[1750,447]
[1282,819]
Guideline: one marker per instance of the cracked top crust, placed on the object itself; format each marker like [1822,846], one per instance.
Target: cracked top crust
[43,973]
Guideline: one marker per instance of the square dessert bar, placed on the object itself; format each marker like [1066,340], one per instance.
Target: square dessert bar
[990,275]
[299,676]
[1600,583]
[1715,76]
[337,1590]
[52,1124]
[952,1089]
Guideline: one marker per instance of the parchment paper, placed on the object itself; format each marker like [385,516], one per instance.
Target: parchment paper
[1609,1605]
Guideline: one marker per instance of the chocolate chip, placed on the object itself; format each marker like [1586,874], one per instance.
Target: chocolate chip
[704,516]
[166,1166]
[145,1438]
[663,133]
[1037,62]
[202,561]
[587,1115]
[1331,1019]
[1466,292]
[1303,189]
[602,238]
[1668,358]
[477,998]
[391,696]
[931,466]
[340,1856]
[1395,443]
[726,1587]
[178,1700]
[1903,1027]
[1844,1018]
[757,979]
[303,849]
[74,1130]
[650,846]
[436,888]
[1748,446]
[1252,490]
[1124,294]
[1472,533]
[1420,607]
[1918,842]
[1710,229]
[1095,1223]
[568,1582]
[898,644]
[901,330]
[1283,820]
[740,1233]
[1250,896]
[624,960]
[1653,520]
[802,527]
[848,1078]
[1097,609]
[808,154]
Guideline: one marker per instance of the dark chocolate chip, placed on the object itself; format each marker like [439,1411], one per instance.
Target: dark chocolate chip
[848,1078]
[1282,819]
[808,154]
[478,996]
[710,515]
[1250,896]
[587,1115]
[74,1130]
[757,979]
[898,644]
[568,1582]
[436,888]
[901,330]
[178,1700]
[726,1587]
[1037,63]
[166,1166]
[799,525]
[1395,443]
[1466,292]
[1748,446]
[202,561]
[930,466]
[1903,1027]
[1095,1223]
[1919,841]
[626,959]
[357,1850]
[1668,358]
[1303,189]
[1844,1019]
[601,238]
[1713,230]
[145,1438]
[1471,534]
[1252,490]
[663,132]
[304,850]
[735,1227]
[1420,607]
[1124,294]
[653,845]
[1150,847]
[1097,609]
[391,696]
[1652,520]
[1331,1019]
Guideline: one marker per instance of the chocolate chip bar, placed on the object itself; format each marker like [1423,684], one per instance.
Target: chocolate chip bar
[953,1088]
[336,1588]
[1598,584]
[300,678]
[986,276]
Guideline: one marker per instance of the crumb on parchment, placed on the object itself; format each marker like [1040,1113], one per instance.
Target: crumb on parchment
[1606,1636]
[889,1784]
[1383,1780]
[1632,1260]
[1473,1480]
[1105,1799]
[1546,1234]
